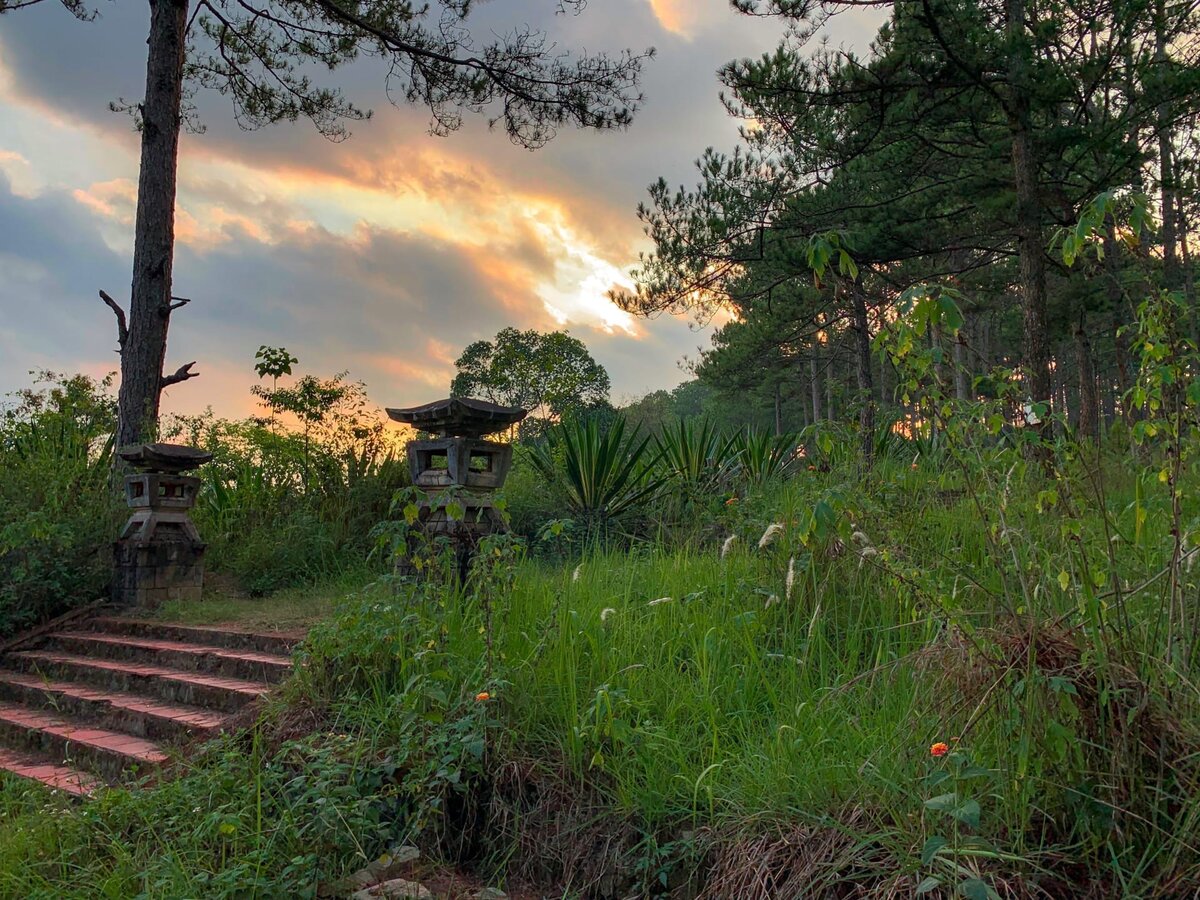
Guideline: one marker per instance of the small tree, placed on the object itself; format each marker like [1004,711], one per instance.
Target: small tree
[551,375]
[259,53]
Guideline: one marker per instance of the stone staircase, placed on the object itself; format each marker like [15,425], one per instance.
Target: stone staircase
[99,700]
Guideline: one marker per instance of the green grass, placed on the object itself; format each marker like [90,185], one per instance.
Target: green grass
[287,610]
[730,713]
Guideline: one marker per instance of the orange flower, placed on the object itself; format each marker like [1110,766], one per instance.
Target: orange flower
[482,696]
[941,748]
[731,501]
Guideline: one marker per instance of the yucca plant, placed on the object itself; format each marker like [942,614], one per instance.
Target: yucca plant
[696,454]
[763,456]
[602,473]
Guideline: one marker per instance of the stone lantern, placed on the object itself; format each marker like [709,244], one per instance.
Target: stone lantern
[459,456]
[159,555]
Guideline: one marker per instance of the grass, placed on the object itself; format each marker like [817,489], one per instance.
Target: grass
[679,719]
[291,609]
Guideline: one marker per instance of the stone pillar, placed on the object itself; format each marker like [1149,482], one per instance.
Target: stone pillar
[159,555]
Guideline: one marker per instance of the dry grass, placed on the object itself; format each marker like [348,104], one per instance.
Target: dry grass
[287,611]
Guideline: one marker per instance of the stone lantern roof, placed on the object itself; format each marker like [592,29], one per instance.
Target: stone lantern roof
[169,459]
[459,417]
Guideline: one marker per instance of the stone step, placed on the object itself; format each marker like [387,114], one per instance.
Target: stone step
[110,754]
[53,775]
[281,643]
[250,665]
[212,692]
[134,714]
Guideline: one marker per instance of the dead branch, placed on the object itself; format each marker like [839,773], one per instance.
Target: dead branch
[183,373]
[122,327]
[179,301]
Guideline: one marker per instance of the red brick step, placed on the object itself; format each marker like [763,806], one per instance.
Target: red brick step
[54,776]
[280,642]
[108,753]
[191,688]
[244,664]
[91,701]
[134,714]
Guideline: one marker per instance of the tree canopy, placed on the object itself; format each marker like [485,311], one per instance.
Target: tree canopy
[552,375]
[949,153]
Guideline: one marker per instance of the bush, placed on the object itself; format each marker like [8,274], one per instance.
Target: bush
[288,506]
[58,516]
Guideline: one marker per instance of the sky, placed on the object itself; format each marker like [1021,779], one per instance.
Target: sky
[383,255]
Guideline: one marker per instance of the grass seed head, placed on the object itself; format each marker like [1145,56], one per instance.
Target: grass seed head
[773,531]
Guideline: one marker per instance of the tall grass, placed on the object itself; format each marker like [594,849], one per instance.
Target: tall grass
[695,716]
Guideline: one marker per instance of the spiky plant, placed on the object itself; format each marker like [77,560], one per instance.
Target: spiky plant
[762,456]
[603,473]
[696,454]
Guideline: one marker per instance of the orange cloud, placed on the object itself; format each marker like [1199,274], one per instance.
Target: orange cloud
[115,199]
[683,17]
[412,370]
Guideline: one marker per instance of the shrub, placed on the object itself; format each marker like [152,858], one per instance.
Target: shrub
[58,515]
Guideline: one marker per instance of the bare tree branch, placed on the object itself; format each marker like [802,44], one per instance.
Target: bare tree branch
[183,373]
[122,327]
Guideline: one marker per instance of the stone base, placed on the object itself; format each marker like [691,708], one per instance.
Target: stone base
[149,573]
[480,519]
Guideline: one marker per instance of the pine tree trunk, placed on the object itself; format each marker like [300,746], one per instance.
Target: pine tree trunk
[1089,400]
[829,384]
[1116,302]
[866,387]
[1166,167]
[815,381]
[962,381]
[154,232]
[1030,243]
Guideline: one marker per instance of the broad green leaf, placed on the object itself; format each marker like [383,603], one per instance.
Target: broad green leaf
[967,813]
[931,848]
[928,884]
[942,801]
[977,889]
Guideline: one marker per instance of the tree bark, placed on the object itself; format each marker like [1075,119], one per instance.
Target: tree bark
[1030,241]
[1166,167]
[866,387]
[1117,306]
[154,231]
[829,384]
[962,381]
[1089,400]
[815,381]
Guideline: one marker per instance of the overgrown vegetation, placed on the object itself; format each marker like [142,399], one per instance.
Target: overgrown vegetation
[968,670]
[57,516]
[289,500]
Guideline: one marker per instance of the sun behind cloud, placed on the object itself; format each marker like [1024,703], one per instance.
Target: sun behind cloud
[685,17]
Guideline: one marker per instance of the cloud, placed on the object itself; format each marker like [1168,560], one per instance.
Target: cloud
[384,255]
[685,17]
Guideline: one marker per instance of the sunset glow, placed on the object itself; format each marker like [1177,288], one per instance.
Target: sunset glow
[384,255]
